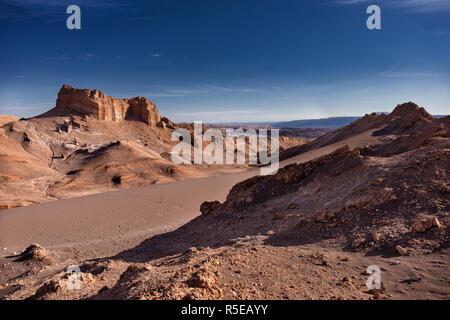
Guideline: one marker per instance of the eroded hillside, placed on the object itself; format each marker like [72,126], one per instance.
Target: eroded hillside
[92,143]
[308,232]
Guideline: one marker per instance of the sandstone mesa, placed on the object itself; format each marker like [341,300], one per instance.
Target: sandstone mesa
[98,105]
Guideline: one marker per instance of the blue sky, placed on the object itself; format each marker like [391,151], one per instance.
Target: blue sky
[234,60]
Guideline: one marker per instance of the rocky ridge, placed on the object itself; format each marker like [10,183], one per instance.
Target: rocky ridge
[96,104]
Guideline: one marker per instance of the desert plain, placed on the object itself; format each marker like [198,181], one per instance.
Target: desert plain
[90,183]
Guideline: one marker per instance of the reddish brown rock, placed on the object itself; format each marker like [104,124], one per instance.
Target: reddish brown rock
[418,226]
[34,252]
[48,288]
[425,224]
[209,206]
[204,278]
[401,251]
[96,104]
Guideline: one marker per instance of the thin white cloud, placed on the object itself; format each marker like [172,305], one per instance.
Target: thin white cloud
[441,32]
[350,1]
[175,93]
[251,90]
[59,3]
[422,5]
[162,95]
[216,88]
[49,10]
[396,74]
[24,110]
[13,76]
[409,5]
[217,113]
[87,57]
[63,56]
[204,89]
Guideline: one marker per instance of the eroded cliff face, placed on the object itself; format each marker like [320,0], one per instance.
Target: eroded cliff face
[100,106]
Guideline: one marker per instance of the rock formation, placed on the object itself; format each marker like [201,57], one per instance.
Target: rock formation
[34,252]
[100,106]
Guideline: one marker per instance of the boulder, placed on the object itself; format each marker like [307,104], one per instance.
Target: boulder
[401,251]
[209,207]
[418,226]
[34,252]
[425,224]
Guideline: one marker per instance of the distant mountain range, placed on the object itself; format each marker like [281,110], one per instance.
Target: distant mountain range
[327,123]
[322,123]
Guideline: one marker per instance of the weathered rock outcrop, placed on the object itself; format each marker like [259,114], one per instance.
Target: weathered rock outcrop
[34,252]
[4,119]
[100,106]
